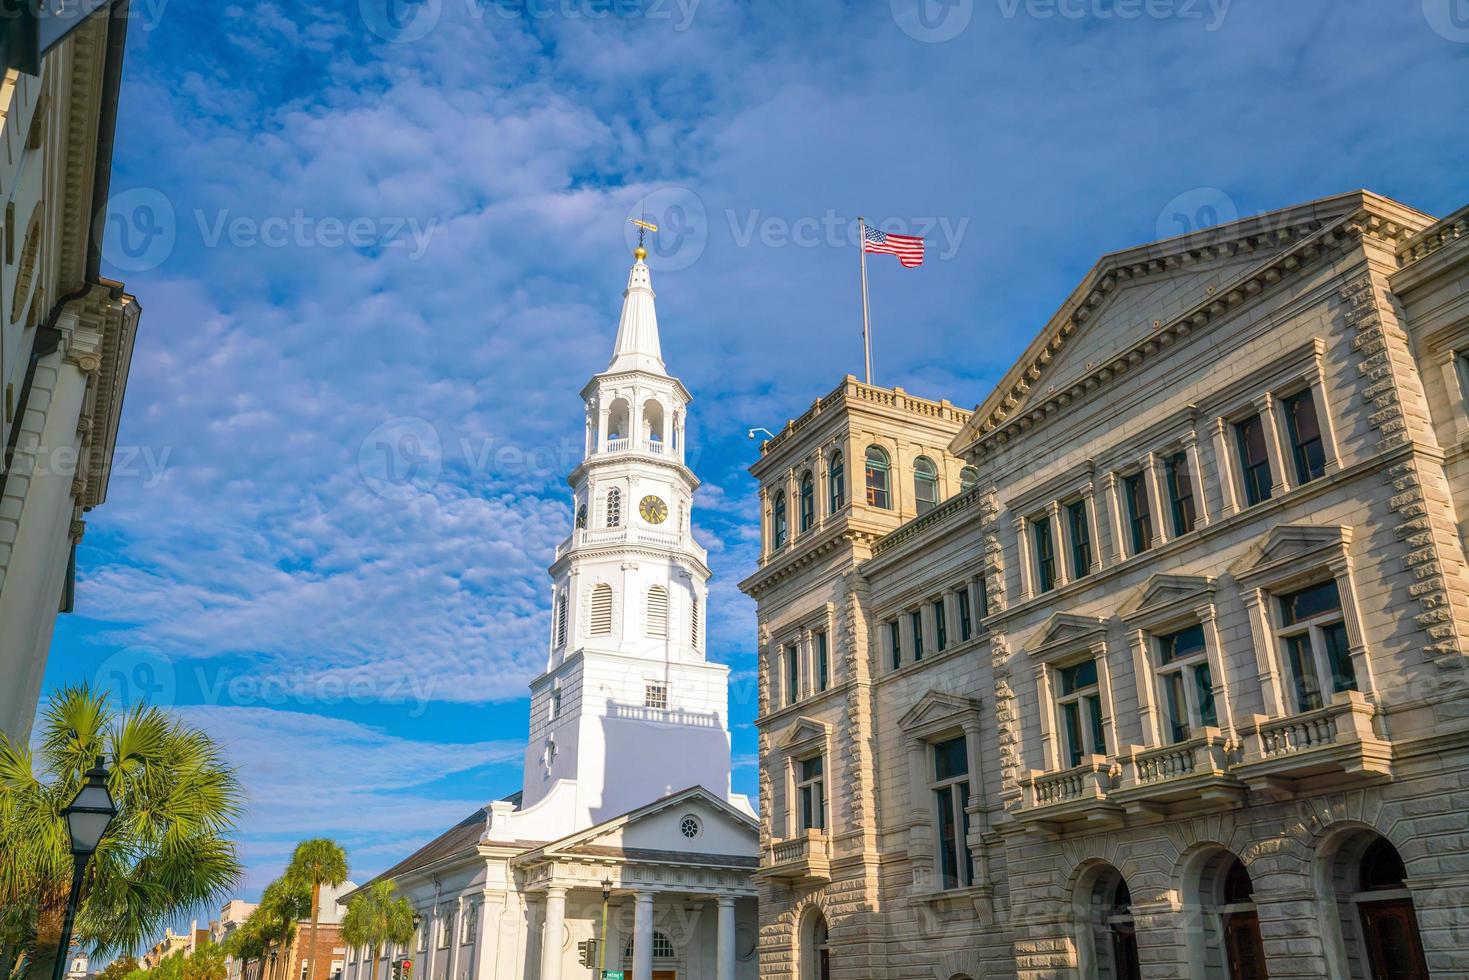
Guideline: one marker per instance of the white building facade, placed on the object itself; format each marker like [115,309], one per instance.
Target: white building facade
[1154,665]
[626,789]
[66,340]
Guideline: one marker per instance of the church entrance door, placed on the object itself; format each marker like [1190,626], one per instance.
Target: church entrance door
[665,975]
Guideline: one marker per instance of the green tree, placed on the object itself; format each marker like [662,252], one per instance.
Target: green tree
[118,968]
[171,967]
[206,962]
[247,943]
[317,862]
[167,852]
[285,902]
[377,917]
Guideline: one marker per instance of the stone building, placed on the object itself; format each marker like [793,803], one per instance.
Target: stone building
[625,801]
[66,340]
[1154,664]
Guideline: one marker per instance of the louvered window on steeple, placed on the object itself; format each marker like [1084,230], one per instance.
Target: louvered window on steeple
[614,507]
[561,619]
[601,617]
[658,612]
[694,621]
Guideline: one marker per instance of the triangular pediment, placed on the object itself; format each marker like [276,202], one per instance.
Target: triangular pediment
[936,706]
[803,730]
[1162,591]
[1287,543]
[723,829]
[1063,629]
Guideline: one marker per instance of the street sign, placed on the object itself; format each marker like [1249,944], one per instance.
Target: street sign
[612,975]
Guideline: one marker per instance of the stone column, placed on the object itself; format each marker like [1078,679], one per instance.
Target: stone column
[1060,548]
[724,968]
[1022,548]
[1229,497]
[1158,501]
[642,942]
[1281,478]
[551,931]
[1115,525]
[1196,478]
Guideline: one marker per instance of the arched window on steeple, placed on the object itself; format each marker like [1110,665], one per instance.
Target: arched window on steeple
[925,484]
[614,507]
[581,517]
[599,623]
[808,502]
[968,479]
[658,612]
[560,619]
[836,483]
[779,521]
[694,622]
[879,484]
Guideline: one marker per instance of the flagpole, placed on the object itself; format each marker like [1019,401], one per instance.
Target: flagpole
[866,323]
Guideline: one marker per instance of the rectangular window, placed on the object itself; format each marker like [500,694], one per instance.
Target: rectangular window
[1254,461]
[1139,515]
[1180,493]
[940,626]
[556,704]
[1307,449]
[1313,634]
[895,643]
[471,924]
[1185,682]
[1081,539]
[1461,362]
[811,792]
[793,674]
[966,618]
[446,927]
[1045,554]
[656,696]
[951,805]
[823,667]
[1080,701]
[915,621]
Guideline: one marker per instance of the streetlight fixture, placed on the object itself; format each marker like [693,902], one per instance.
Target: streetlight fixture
[87,819]
[602,946]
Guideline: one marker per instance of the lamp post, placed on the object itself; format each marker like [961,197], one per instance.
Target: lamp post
[87,819]
[602,946]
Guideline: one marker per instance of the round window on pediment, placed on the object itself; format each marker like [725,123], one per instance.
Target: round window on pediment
[690,826]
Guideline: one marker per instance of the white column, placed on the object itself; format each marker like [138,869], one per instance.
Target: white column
[642,943]
[551,933]
[724,968]
[1281,479]
[1224,468]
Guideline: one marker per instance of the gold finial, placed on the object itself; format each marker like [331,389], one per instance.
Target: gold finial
[644,227]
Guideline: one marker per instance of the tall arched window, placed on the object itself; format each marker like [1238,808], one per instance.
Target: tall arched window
[879,486]
[658,612]
[808,502]
[968,479]
[815,947]
[1376,923]
[600,620]
[925,484]
[614,507]
[779,521]
[836,483]
[662,947]
[1107,943]
[581,517]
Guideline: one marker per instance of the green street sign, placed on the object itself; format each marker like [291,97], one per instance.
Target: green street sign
[612,975]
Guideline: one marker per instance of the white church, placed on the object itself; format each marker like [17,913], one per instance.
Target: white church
[627,771]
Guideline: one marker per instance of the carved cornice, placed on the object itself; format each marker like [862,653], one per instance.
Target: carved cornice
[998,423]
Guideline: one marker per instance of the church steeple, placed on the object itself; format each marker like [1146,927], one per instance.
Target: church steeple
[638,348]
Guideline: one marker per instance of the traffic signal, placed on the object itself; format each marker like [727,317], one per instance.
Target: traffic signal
[588,950]
[397,970]
[407,969]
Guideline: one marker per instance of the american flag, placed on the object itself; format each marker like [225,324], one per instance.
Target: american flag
[907,248]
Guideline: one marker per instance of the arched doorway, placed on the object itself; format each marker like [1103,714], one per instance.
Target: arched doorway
[815,947]
[1376,923]
[1108,937]
[1224,928]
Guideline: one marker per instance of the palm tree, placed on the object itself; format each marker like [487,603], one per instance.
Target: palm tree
[317,862]
[285,902]
[376,917]
[245,944]
[168,851]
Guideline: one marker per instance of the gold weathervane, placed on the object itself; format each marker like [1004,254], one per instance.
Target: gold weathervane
[643,228]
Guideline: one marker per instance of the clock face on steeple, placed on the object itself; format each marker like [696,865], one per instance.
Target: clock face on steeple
[653,509]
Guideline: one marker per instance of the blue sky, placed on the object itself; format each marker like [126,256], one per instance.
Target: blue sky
[353,227]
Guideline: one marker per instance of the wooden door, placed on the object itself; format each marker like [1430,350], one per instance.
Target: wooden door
[665,975]
[1124,951]
[1244,948]
[1393,948]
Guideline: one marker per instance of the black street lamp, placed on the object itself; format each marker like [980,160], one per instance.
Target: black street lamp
[602,946]
[87,820]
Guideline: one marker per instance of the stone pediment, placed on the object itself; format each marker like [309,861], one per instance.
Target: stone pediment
[1164,591]
[1064,630]
[1290,543]
[936,707]
[803,730]
[658,826]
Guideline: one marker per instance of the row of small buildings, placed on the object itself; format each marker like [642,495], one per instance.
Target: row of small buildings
[1153,664]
